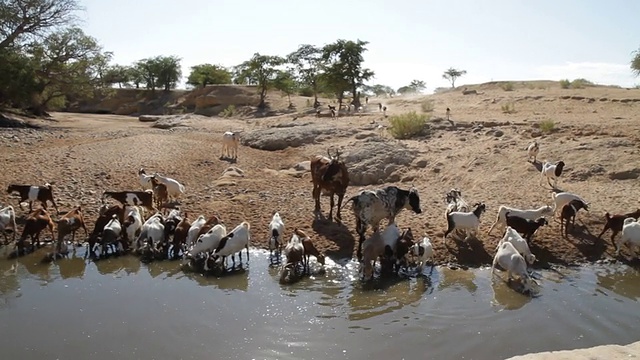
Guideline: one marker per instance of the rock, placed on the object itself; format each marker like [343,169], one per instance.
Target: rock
[172,121]
[232,171]
[374,160]
[498,133]
[280,139]
[421,163]
[582,175]
[303,166]
[148,118]
[625,174]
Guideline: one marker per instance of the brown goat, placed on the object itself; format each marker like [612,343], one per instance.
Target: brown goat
[294,252]
[180,235]
[69,224]
[160,192]
[36,221]
[211,222]
[309,249]
[329,174]
[615,223]
[33,193]
[402,248]
[568,215]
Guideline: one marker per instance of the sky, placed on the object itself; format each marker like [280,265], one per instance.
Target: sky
[493,40]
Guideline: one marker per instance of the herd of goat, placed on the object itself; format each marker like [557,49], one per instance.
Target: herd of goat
[205,244]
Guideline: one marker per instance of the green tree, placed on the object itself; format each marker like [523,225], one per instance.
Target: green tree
[406,90]
[23,19]
[635,62]
[207,74]
[285,82]
[418,85]
[117,74]
[452,75]
[260,70]
[17,78]
[344,63]
[69,64]
[382,90]
[169,72]
[308,64]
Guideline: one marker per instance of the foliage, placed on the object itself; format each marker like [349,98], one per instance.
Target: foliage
[117,74]
[575,84]
[307,69]
[405,90]
[547,126]
[565,83]
[285,82]
[508,108]
[229,111]
[508,86]
[343,67]
[427,106]
[382,90]
[259,70]
[635,62]
[418,85]
[408,125]
[452,75]
[208,74]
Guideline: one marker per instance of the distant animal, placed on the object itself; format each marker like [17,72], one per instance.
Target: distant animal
[532,151]
[551,172]
[33,193]
[329,174]
[614,222]
[230,141]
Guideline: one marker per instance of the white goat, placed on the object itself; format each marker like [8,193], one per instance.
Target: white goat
[532,151]
[630,236]
[174,188]
[110,235]
[145,180]
[207,243]
[194,230]
[423,251]
[155,231]
[144,231]
[234,242]
[230,142]
[551,172]
[276,228]
[135,225]
[378,245]
[468,221]
[8,222]
[529,214]
[563,198]
[512,236]
[510,260]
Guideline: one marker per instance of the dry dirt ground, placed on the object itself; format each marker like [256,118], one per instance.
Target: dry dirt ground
[482,153]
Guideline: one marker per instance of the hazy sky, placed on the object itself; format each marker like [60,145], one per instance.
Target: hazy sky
[491,39]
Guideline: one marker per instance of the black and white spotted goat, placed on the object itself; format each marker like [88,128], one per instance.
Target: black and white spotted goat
[371,206]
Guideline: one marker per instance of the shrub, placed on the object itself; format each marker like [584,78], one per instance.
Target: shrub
[508,108]
[229,111]
[565,83]
[508,86]
[427,106]
[547,126]
[581,83]
[405,126]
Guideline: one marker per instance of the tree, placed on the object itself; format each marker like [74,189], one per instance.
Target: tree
[17,78]
[452,74]
[169,71]
[406,90]
[382,90]
[344,62]
[69,64]
[260,70]
[308,63]
[20,19]
[117,74]
[207,74]
[418,85]
[285,82]
[635,62]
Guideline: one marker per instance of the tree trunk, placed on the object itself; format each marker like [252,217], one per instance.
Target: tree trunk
[263,96]
[356,96]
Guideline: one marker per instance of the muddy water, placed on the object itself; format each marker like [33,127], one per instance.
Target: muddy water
[122,309]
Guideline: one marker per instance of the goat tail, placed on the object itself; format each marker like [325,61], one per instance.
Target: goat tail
[353,198]
[182,188]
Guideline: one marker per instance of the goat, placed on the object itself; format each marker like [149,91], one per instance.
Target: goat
[423,251]
[8,223]
[309,249]
[295,254]
[614,222]
[370,207]
[145,180]
[510,260]
[233,243]
[109,237]
[551,171]
[211,222]
[194,230]
[532,151]
[276,228]
[568,215]
[329,174]
[180,235]
[36,221]
[403,246]
[468,221]
[132,225]
[630,236]
[379,245]
[455,202]
[563,198]
[512,236]
[134,198]
[207,243]
[230,142]
[160,192]
[71,222]
[174,188]
[529,214]
[524,226]
[32,193]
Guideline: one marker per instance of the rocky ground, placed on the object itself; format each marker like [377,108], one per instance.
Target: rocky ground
[481,151]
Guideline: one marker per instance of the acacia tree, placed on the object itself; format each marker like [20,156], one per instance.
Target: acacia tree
[285,82]
[206,74]
[260,70]
[344,62]
[308,63]
[169,71]
[452,74]
[117,74]
[418,85]
[635,62]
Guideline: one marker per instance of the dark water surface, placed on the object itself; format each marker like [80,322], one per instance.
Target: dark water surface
[122,309]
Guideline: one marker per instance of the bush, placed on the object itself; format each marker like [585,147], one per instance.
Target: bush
[508,86]
[427,106]
[581,83]
[229,111]
[565,83]
[405,126]
[547,126]
[305,91]
[508,108]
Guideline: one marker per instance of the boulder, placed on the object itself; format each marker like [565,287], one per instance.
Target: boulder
[281,138]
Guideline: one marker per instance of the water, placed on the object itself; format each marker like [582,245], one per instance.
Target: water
[120,308]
